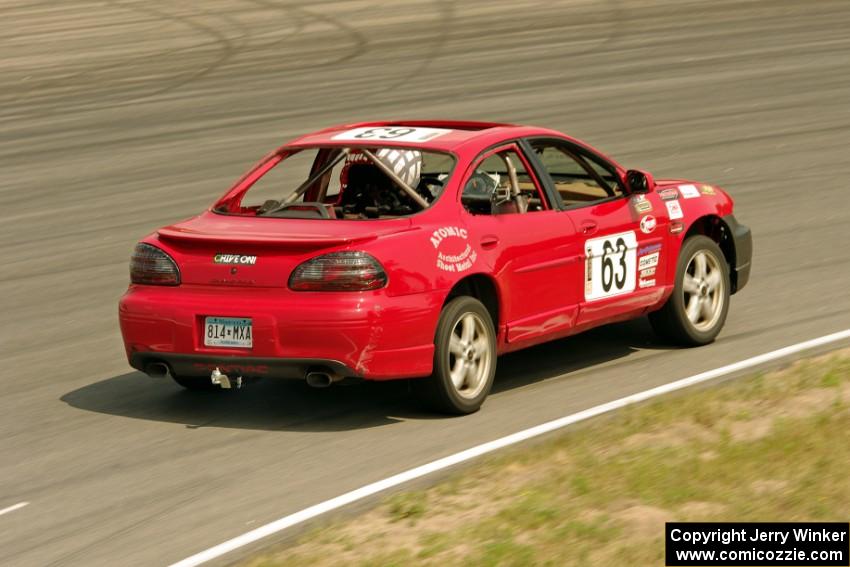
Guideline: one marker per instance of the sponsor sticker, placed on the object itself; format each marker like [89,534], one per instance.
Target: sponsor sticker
[649,249]
[234,259]
[392,133]
[649,272]
[648,224]
[706,190]
[668,194]
[442,233]
[642,283]
[689,191]
[641,204]
[649,261]
[674,209]
[454,253]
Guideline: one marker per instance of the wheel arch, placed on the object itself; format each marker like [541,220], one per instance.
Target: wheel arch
[482,287]
[716,229]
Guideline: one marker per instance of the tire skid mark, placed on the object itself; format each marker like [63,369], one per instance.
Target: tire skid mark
[227,48]
[294,16]
[225,45]
[446,11]
[29,6]
[360,43]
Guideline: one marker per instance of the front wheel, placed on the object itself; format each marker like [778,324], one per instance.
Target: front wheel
[464,358]
[696,311]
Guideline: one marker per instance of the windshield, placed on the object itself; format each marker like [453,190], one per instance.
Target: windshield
[343,183]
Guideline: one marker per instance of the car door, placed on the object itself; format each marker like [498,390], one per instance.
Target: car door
[623,244]
[530,246]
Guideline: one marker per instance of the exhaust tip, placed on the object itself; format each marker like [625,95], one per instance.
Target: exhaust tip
[318,379]
[218,378]
[157,370]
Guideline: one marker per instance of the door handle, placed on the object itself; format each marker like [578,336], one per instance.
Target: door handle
[489,241]
[588,227]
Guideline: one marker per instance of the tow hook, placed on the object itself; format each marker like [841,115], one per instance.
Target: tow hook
[223,380]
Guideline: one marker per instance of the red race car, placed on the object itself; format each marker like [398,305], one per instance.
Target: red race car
[425,249]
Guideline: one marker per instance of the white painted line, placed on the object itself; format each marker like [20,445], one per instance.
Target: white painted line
[14,507]
[446,462]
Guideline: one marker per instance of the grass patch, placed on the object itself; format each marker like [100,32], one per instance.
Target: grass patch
[406,506]
[772,447]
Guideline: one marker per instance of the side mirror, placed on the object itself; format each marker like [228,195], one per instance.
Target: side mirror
[639,181]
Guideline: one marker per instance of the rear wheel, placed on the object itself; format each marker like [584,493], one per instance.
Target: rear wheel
[464,358]
[195,383]
[696,311]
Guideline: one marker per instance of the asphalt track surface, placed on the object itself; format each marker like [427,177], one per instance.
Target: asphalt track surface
[119,117]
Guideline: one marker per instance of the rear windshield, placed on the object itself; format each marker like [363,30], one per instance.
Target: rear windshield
[343,183]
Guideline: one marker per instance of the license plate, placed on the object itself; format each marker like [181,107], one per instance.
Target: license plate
[228,332]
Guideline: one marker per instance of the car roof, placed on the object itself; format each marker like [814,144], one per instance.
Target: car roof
[460,134]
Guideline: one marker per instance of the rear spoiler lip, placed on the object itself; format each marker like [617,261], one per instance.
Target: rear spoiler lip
[294,240]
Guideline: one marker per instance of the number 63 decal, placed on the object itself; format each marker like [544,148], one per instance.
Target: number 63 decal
[384,133]
[408,134]
[610,265]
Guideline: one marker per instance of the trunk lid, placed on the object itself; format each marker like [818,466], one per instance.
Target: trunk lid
[222,250]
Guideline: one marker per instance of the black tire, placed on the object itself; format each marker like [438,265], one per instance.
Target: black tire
[438,390]
[195,383]
[672,321]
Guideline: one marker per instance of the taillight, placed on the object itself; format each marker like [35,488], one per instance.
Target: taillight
[150,265]
[339,271]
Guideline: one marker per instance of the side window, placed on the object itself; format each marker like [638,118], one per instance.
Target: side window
[578,178]
[501,184]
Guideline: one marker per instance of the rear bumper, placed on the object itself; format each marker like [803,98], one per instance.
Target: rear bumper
[369,335]
[743,240]
[245,366]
